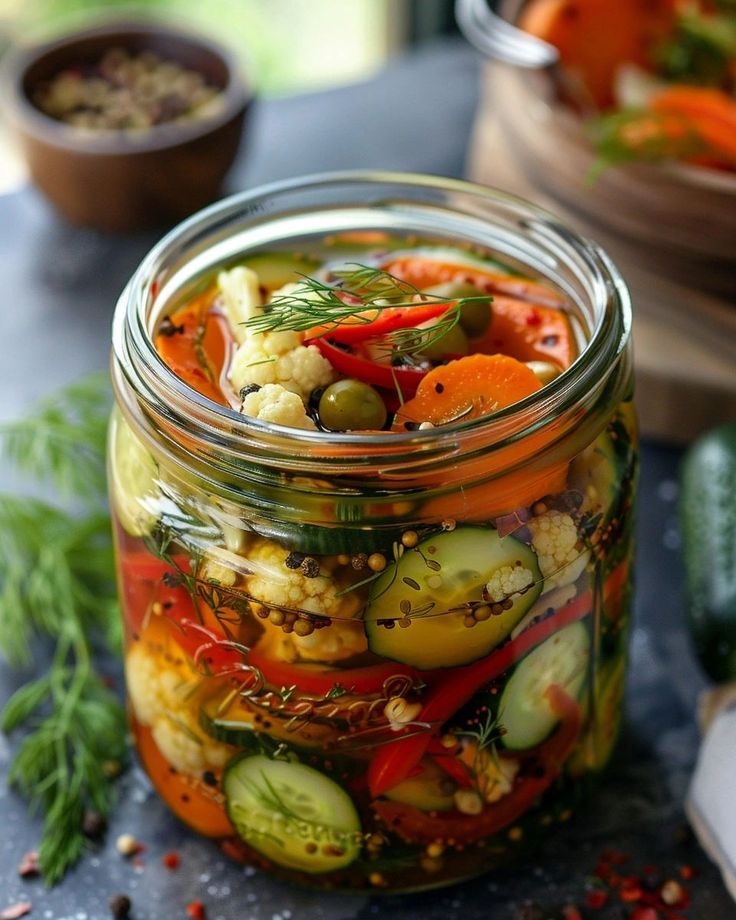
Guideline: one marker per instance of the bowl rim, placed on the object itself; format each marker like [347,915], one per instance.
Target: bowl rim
[237,93]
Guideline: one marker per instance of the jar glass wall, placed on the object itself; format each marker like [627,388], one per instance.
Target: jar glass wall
[361,661]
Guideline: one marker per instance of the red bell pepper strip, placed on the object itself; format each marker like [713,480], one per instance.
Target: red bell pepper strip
[385,319]
[414,826]
[392,762]
[352,364]
[319,680]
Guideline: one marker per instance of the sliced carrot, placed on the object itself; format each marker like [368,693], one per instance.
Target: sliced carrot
[528,332]
[528,319]
[195,803]
[197,346]
[423,272]
[594,37]
[710,112]
[468,388]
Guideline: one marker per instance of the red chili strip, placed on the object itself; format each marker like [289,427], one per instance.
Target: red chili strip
[392,762]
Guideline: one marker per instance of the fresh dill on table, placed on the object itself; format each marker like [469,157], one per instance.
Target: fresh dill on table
[58,599]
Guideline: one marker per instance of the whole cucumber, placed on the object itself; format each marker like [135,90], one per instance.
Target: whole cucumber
[708,517]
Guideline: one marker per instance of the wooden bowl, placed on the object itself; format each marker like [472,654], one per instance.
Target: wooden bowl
[682,217]
[115,180]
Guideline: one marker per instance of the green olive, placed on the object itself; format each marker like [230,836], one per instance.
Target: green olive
[453,342]
[474,316]
[351,405]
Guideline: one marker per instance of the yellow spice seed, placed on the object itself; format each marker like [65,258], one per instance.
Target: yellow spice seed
[469,621]
[343,559]
[376,562]
[516,833]
[671,892]
[126,845]
[468,802]
[277,617]
[435,849]
[410,538]
[303,628]
[482,613]
[157,608]
[565,815]
[377,880]
[430,865]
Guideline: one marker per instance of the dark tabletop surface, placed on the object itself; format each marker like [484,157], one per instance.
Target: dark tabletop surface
[59,289]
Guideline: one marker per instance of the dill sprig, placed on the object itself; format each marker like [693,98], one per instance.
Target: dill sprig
[63,440]
[57,585]
[356,294]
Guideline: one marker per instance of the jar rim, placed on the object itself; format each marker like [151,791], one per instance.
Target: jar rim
[139,362]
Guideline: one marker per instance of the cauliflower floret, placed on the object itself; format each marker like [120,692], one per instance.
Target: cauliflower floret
[160,692]
[272,403]
[273,584]
[557,544]
[494,775]
[241,297]
[279,357]
[508,580]
[268,357]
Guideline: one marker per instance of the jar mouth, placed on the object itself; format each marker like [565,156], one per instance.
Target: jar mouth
[532,236]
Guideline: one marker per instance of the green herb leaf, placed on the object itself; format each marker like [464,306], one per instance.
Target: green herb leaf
[57,584]
[63,439]
[357,294]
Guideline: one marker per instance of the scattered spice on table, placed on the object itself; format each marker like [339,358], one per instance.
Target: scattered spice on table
[29,866]
[127,845]
[120,906]
[16,910]
[196,910]
[93,824]
[171,860]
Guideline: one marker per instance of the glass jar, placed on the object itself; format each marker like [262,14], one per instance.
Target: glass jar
[378,733]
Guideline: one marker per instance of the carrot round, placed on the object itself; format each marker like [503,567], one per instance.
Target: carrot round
[528,321]
[469,388]
[594,37]
[710,113]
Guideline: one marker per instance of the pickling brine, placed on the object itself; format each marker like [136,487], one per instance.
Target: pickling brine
[373,492]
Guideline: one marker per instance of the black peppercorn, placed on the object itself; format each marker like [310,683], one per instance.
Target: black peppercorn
[93,825]
[248,389]
[310,567]
[120,906]
[294,560]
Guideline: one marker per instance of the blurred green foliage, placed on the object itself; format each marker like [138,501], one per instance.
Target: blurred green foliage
[285,45]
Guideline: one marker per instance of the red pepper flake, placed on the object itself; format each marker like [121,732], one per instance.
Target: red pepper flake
[602,871]
[688,873]
[29,867]
[196,910]
[644,913]
[596,899]
[534,319]
[171,860]
[570,912]
[629,893]
[16,910]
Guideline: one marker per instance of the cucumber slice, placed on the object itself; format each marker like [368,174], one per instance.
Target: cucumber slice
[424,590]
[595,473]
[596,747]
[292,814]
[524,711]
[275,269]
[133,480]
[430,790]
